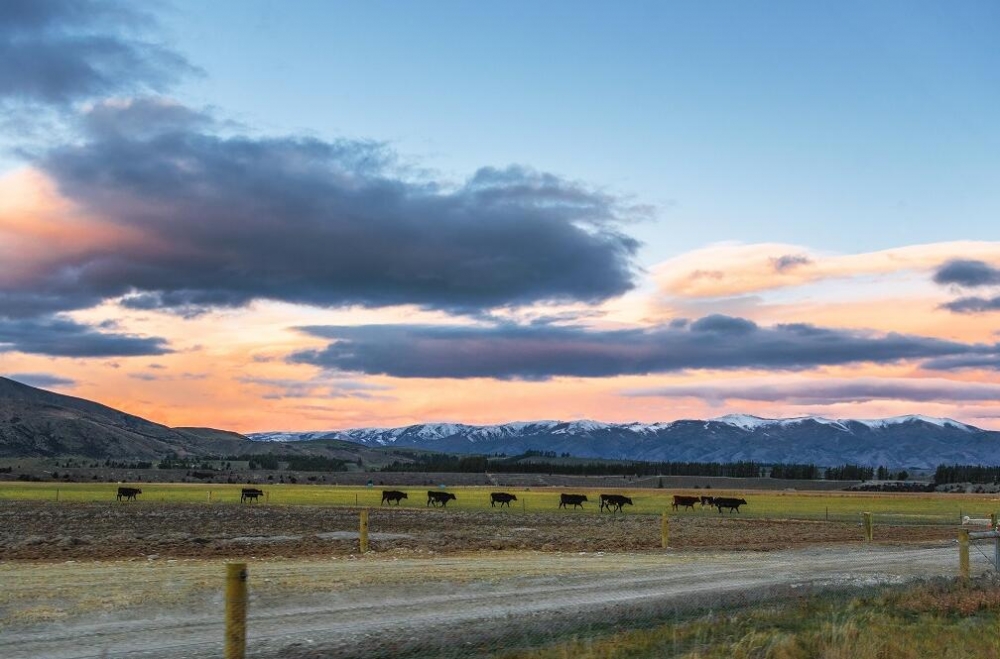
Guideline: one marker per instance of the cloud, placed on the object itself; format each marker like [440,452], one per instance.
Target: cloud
[830,391]
[322,386]
[975,361]
[789,261]
[741,269]
[542,352]
[973,304]
[58,52]
[42,380]
[967,273]
[60,337]
[214,221]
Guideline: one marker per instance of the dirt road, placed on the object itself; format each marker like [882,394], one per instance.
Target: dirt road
[385,606]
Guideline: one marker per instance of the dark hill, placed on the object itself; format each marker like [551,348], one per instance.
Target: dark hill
[39,423]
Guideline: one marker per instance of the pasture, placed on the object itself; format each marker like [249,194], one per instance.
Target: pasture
[925,508]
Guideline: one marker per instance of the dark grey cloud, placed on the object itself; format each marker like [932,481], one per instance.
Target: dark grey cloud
[789,262]
[973,304]
[56,52]
[42,380]
[227,220]
[60,337]
[974,361]
[967,273]
[540,352]
[830,392]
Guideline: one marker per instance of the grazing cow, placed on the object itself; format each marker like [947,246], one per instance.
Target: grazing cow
[707,501]
[727,502]
[576,500]
[129,493]
[614,502]
[392,495]
[434,498]
[501,498]
[685,502]
[250,494]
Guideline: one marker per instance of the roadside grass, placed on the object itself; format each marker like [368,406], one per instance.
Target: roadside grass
[930,508]
[942,619]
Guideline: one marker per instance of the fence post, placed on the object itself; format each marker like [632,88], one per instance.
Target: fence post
[236,610]
[363,531]
[963,553]
[210,496]
[664,530]
[993,520]
[868,525]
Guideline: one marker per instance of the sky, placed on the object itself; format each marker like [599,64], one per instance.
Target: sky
[265,215]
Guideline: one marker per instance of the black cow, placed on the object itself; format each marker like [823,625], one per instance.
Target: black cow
[727,502]
[250,494]
[129,493]
[576,500]
[614,502]
[501,498]
[392,495]
[707,501]
[434,498]
[686,502]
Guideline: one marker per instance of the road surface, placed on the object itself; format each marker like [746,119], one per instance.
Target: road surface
[382,606]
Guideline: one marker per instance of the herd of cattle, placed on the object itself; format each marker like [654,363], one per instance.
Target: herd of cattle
[609,502]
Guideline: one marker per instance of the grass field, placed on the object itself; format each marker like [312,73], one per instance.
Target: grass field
[899,508]
[944,619]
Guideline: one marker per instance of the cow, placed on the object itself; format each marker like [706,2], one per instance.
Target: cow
[250,494]
[707,501]
[614,502]
[501,498]
[392,495]
[685,502]
[576,500]
[728,502]
[129,493]
[434,498]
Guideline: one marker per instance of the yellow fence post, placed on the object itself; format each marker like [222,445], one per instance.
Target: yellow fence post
[236,610]
[664,530]
[963,553]
[363,532]
[866,519]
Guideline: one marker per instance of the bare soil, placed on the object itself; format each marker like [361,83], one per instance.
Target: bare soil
[39,530]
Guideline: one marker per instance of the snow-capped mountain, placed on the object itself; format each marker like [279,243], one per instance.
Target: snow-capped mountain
[898,442]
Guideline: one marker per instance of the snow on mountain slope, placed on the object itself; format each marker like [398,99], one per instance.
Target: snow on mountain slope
[905,441]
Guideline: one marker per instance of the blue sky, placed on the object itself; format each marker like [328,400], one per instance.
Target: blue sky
[841,126]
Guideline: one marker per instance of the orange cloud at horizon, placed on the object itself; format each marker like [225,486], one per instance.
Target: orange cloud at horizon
[732,269]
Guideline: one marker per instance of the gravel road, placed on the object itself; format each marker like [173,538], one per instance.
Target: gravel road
[384,606]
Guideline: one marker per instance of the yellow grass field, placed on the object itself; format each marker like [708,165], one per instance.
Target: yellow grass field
[928,508]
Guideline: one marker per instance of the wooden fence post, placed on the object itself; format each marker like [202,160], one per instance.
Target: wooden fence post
[236,610]
[664,530]
[963,553]
[993,520]
[866,519]
[363,531]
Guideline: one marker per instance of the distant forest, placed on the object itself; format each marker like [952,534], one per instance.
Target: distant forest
[546,462]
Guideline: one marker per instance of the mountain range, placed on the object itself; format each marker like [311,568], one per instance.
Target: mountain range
[899,442]
[39,423]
